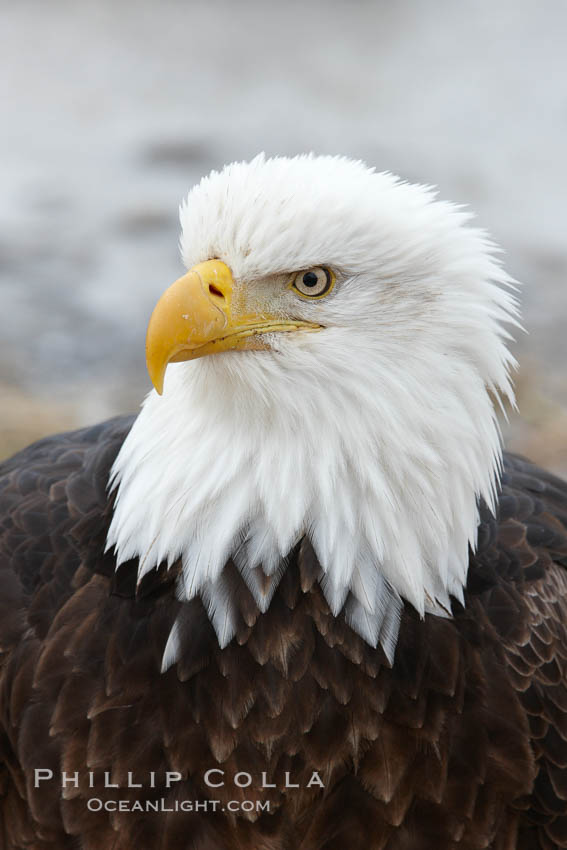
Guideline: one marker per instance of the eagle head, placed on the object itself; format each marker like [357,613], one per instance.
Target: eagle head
[327,368]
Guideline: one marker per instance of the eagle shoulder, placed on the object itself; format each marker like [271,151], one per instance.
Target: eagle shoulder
[517,588]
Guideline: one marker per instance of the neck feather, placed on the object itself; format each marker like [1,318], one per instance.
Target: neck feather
[383,470]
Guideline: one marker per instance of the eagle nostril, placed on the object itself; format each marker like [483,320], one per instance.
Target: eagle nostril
[214,291]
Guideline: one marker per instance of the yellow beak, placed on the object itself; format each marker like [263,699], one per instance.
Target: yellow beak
[195,317]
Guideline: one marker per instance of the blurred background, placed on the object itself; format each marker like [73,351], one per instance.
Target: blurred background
[112,110]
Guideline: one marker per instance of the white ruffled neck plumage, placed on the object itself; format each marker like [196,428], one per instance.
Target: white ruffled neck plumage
[376,436]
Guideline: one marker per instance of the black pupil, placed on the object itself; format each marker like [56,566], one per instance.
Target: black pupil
[310,279]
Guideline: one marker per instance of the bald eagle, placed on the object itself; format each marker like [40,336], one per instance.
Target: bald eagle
[302,601]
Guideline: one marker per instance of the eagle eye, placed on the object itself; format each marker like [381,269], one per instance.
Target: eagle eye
[313,283]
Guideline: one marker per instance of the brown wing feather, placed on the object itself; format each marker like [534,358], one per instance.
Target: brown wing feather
[527,606]
[462,744]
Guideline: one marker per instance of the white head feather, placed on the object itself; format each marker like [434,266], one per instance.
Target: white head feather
[376,436]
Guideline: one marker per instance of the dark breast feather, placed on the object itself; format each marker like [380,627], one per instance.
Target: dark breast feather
[462,744]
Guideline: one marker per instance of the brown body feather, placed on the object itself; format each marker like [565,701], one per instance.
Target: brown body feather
[461,744]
